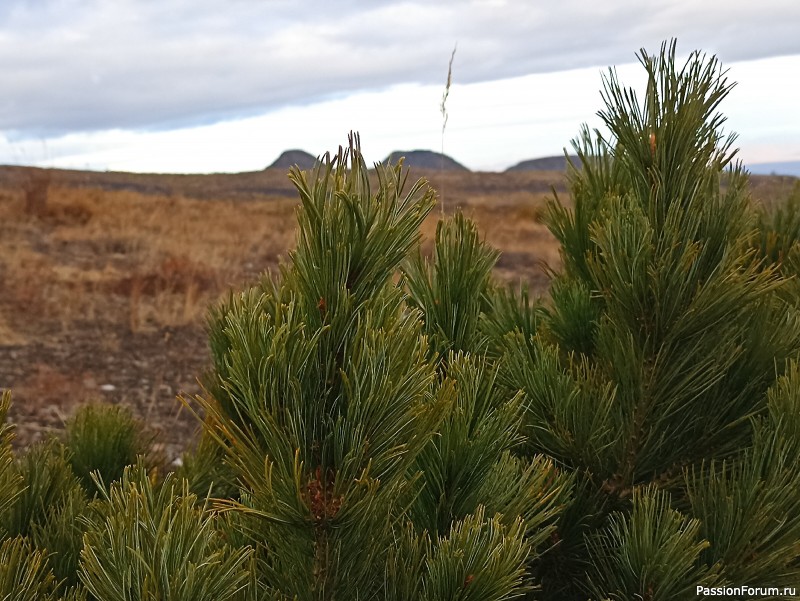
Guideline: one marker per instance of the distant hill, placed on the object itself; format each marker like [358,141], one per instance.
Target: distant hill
[425,159]
[555,163]
[290,158]
[778,168]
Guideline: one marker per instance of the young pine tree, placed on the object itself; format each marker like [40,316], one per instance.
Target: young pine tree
[368,438]
[662,374]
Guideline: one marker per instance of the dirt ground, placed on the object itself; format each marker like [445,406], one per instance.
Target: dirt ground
[104,362]
[107,277]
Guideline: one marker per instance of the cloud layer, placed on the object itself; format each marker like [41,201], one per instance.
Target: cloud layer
[75,66]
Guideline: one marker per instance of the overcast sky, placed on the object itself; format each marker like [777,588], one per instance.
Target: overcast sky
[198,86]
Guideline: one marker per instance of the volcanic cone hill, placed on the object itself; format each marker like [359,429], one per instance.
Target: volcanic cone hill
[425,159]
[290,158]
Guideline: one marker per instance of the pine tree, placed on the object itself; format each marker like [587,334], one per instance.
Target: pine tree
[147,542]
[381,425]
[661,373]
[365,431]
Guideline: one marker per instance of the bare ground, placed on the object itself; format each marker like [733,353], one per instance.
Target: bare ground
[106,279]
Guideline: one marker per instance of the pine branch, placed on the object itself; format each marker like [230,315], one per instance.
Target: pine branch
[453,290]
[650,554]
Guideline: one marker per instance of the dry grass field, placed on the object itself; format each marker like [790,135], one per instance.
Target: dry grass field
[106,277]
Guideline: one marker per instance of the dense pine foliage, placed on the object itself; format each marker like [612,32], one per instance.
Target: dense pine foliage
[383,425]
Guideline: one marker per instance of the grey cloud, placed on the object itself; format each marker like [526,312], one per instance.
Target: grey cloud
[90,65]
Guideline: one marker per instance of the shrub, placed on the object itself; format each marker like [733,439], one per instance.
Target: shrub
[353,439]
[46,483]
[651,374]
[10,480]
[24,573]
[385,427]
[150,542]
[106,439]
[47,507]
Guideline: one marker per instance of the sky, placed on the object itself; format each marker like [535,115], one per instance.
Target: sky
[201,86]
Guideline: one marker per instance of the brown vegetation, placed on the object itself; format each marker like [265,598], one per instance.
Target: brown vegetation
[107,276]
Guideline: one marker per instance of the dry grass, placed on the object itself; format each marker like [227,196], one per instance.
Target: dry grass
[148,261]
[107,277]
[36,190]
[769,189]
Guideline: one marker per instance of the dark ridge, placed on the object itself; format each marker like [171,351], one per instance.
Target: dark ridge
[425,159]
[555,163]
[290,158]
[241,186]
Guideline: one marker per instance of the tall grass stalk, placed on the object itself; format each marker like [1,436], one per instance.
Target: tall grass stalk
[443,109]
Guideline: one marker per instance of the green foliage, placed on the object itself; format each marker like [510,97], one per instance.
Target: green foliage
[574,316]
[406,563]
[562,571]
[569,410]
[339,423]
[10,480]
[24,572]
[455,465]
[599,179]
[76,593]
[326,392]
[654,357]
[47,483]
[665,156]
[347,248]
[382,426]
[454,289]
[47,507]
[509,311]
[749,506]
[479,559]
[648,553]
[660,292]
[206,472]
[103,438]
[468,464]
[147,542]
[777,242]
[670,147]
[61,534]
